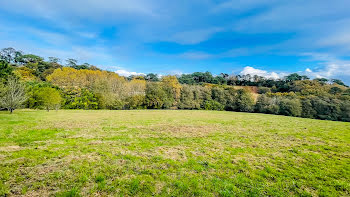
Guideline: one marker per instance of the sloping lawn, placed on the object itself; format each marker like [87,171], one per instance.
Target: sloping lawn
[177,153]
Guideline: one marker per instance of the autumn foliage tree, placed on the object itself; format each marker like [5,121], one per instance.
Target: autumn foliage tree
[70,77]
[172,86]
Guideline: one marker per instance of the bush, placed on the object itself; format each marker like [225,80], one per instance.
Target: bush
[267,105]
[245,101]
[157,97]
[335,90]
[135,102]
[290,107]
[218,94]
[80,99]
[231,97]
[345,111]
[264,90]
[189,98]
[213,105]
[307,109]
[117,105]
[326,108]
[262,104]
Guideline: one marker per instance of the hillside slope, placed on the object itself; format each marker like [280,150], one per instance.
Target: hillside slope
[179,153]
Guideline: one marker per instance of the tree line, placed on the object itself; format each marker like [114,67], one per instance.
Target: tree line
[30,81]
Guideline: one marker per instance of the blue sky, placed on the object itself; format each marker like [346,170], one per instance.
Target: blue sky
[266,37]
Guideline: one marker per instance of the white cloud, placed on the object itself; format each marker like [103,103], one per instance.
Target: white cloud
[332,70]
[126,73]
[329,66]
[253,71]
[174,72]
[308,72]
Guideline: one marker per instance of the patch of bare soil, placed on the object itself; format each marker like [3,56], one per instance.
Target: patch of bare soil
[10,148]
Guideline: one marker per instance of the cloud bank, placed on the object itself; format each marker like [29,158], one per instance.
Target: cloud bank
[263,73]
[126,73]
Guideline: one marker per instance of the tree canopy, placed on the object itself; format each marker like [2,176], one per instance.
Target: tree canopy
[32,81]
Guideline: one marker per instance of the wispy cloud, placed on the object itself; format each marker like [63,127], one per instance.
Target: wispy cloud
[241,6]
[329,66]
[196,55]
[194,36]
[82,8]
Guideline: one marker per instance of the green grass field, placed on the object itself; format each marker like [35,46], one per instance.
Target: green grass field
[177,153]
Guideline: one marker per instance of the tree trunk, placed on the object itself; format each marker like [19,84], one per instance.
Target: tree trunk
[11,110]
[47,108]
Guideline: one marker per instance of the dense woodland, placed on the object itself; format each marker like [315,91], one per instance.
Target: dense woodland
[30,81]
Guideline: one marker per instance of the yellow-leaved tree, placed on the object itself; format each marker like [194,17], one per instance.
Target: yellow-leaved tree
[25,74]
[172,86]
[70,77]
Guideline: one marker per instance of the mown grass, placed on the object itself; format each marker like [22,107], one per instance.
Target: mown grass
[171,153]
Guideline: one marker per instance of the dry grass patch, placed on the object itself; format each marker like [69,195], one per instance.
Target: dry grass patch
[10,148]
[177,153]
[184,130]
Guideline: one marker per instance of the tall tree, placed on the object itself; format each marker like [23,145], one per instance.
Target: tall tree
[156,97]
[5,70]
[29,58]
[172,86]
[10,55]
[339,82]
[12,95]
[54,60]
[152,77]
[71,62]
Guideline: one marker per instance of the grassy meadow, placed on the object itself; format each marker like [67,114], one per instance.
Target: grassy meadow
[171,153]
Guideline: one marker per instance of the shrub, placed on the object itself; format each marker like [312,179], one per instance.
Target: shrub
[267,104]
[213,105]
[245,101]
[345,111]
[187,98]
[135,102]
[290,107]
[327,108]
[157,97]
[262,104]
[231,97]
[218,94]
[264,90]
[335,90]
[307,109]
[80,99]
